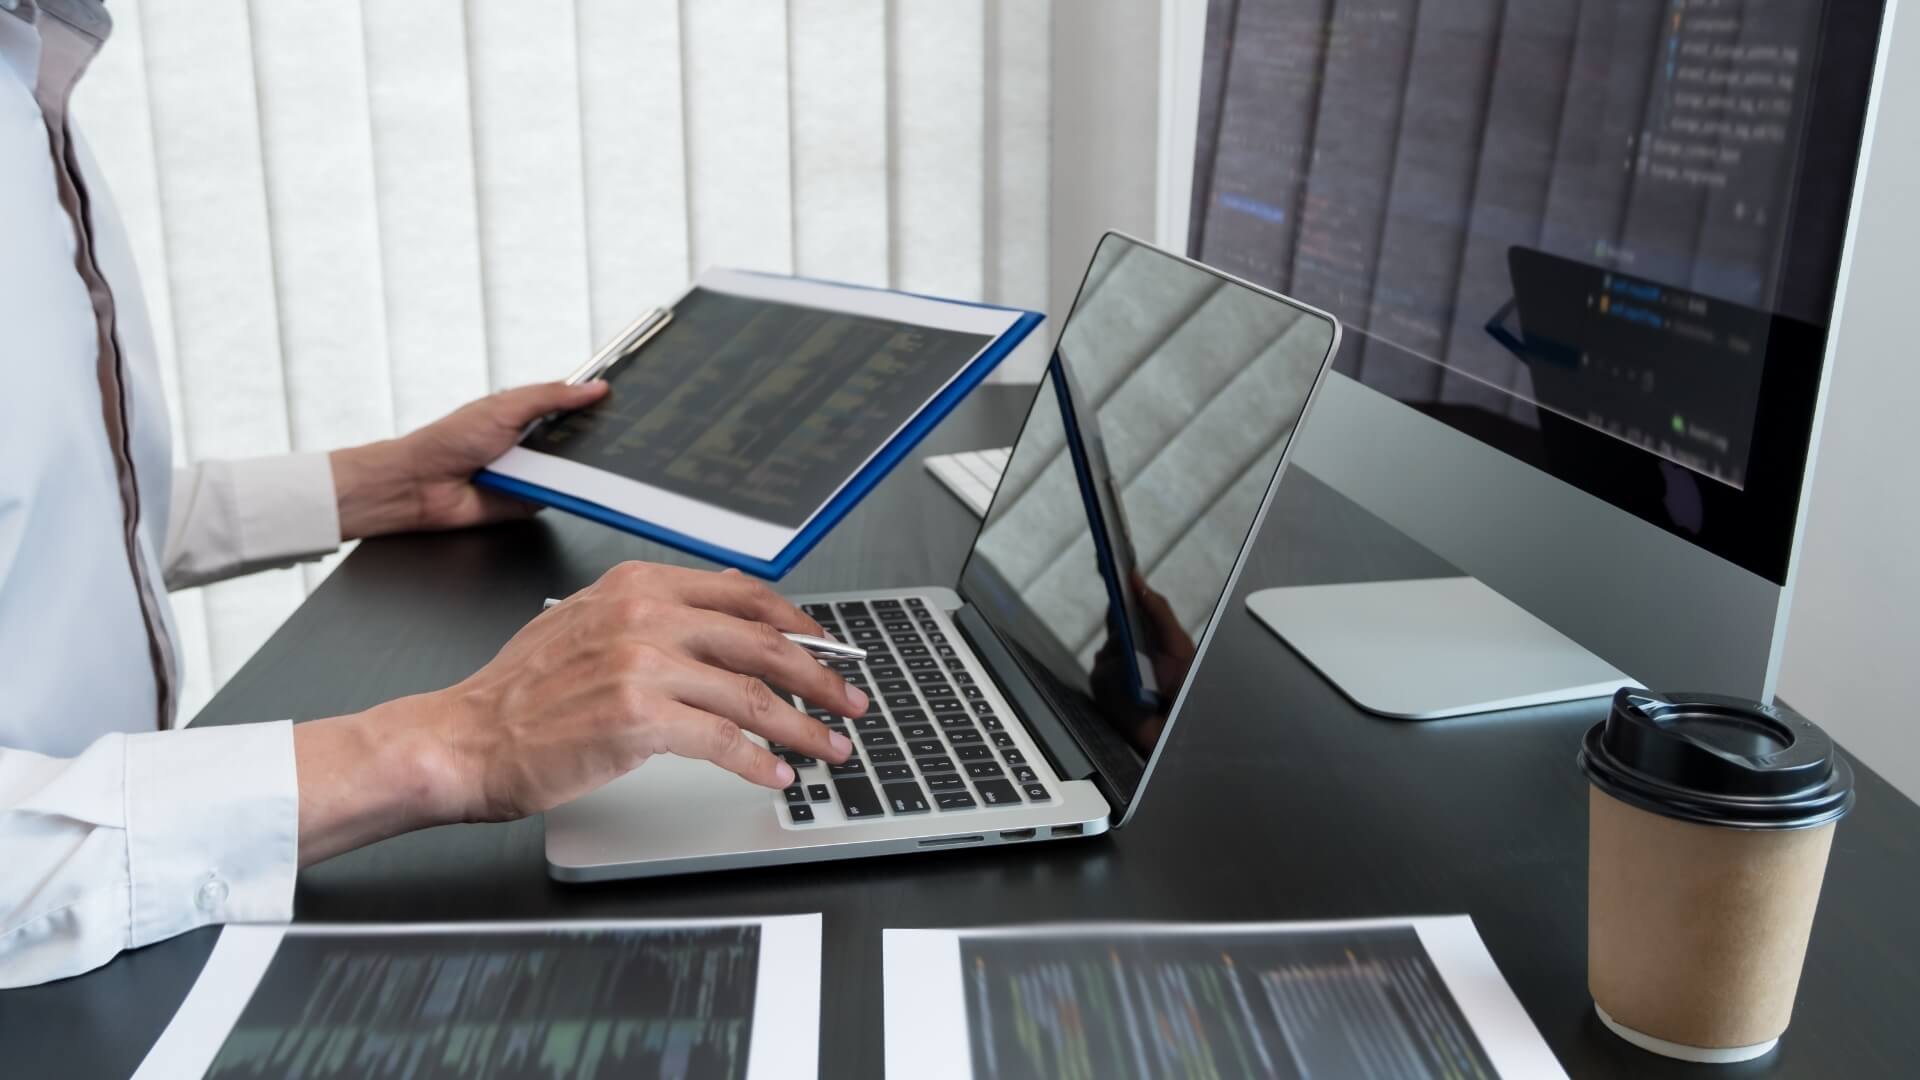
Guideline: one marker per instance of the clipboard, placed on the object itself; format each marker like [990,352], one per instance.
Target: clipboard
[752,414]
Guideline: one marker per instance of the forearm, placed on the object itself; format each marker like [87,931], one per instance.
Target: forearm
[370,775]
[376,490]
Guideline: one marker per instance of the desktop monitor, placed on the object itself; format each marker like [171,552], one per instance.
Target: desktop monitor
[1587,256]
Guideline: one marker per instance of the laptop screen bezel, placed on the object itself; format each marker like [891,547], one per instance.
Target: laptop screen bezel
[1125,802]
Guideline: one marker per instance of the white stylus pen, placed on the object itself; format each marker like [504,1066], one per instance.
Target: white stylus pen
[821,648]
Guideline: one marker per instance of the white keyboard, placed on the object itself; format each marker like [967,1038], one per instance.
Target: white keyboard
[972,475]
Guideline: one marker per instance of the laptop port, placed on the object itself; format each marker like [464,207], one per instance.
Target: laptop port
[951,841]
[1017,834]
[1067,830]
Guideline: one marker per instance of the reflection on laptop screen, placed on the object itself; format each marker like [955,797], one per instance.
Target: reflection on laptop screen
[1146,458]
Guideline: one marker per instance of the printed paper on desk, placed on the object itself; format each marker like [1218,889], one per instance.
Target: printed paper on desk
[722,999]
[1415,997]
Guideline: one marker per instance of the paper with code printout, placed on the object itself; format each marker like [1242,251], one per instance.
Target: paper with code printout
[1416,997]
[678,1000]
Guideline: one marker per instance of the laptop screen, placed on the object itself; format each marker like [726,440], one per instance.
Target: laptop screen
[1146,459]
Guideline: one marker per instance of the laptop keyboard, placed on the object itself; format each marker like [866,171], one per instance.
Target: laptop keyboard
[930,743]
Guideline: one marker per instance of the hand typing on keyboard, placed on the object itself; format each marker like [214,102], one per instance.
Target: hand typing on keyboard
[648,660]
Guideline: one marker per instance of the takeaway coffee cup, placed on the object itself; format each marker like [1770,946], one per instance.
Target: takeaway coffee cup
[1710,824]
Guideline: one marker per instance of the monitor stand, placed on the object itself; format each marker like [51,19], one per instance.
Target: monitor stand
[1432,647]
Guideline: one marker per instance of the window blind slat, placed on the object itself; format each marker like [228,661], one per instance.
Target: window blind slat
[635,157]
[1019,175]
[526,103]
[424,186]
[317,150]
[840,213]
[938,87]
[739,158]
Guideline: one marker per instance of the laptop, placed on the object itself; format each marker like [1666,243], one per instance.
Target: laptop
[1030,700]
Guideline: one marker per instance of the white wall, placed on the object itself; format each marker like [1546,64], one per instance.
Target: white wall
[1850,661]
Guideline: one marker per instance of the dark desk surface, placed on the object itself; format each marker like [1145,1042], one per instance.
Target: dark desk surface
[1279,801]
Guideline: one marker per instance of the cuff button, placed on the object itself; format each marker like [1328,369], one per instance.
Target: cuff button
[211,894]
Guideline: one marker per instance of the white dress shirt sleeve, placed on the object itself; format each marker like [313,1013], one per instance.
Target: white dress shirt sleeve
[123,846]
[234,517]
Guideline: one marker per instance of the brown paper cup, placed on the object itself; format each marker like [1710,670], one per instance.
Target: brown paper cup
[1696,933]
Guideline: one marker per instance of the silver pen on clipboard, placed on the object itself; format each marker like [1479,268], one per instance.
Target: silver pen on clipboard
[637,333]
[820,648]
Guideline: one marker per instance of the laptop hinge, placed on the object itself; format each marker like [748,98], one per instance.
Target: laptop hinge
[1063,751]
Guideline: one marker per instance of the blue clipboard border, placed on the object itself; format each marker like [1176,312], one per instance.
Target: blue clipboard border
[837,507]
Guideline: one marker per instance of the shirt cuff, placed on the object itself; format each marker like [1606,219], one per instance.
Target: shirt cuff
[213,828]
[286,506]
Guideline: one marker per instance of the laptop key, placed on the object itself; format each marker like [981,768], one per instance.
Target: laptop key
[946,782]
[926,747]
[905,798]
[946,705]
[923,663]
[998,793]
[943,650]
[871,722]
[860,622]
[888,672]
[794,794]
[934,764]
[914,732]
[931,693]
[972,693]
[954,663]
[896,626]
[884,755]
[886,604]
[801,813]
[954,800]
[992,723]
[1002,739]
[1024,774]
[960,736]
[797,759]
[896,686]
[857,797]
[850,767]
[949,721]
[818,793]
[909,716]
[877,738]
[935,637]
[902,701]
[893,772]
[850,608]
[1014,757]
[963,678]
[981,708]
[980,770]
[973,753]
[867,637]
[917,650]
[930,678]
[1036,793]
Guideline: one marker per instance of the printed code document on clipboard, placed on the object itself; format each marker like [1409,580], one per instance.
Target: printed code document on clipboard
[758,412]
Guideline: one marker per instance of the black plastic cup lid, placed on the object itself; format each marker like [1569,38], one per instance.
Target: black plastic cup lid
[1717,761]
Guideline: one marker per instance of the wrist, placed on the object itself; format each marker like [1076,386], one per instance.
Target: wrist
[371,775]
[375,489]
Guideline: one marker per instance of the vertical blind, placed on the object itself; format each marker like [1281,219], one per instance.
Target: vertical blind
[351,218]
